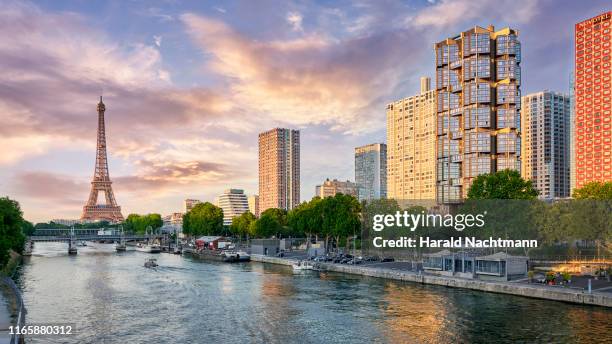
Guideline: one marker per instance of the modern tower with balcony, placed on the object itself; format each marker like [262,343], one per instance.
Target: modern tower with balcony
[478,108]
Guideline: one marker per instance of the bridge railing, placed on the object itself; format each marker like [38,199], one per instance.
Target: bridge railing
[20,307]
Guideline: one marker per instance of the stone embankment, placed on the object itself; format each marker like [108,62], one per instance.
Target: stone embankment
[513,288]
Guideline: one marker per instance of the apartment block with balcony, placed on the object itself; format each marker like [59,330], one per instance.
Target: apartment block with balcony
[545,129]
[478,79]
[411,146]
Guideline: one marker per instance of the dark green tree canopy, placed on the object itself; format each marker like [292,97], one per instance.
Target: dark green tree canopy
[204,219]
[594,190]
[506,184]
[12,226]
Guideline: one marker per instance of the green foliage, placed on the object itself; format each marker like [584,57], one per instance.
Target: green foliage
[11,229]
[594,190]
[204,219]
[506,184]
[139,223]
[266,226]
[241,224]
[27,228]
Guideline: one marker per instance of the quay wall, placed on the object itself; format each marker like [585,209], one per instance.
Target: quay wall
[511,288]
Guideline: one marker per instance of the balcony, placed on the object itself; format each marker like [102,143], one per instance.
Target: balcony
[455,64]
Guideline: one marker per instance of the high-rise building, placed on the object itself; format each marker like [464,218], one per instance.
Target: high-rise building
[572,133]
[254,205]
[234,203]
[190,203]
[371,171]
[411,146]
[478,108]
[279,169]
[545,128]
[592,136]
[330,188]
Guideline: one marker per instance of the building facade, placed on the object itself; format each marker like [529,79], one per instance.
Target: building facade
[478,108]
[174,219]
[190,203]
[545,156]
[279,169]
[371,171]
[234,203]
[330,188]
[254,205]
[592,136]
[411,146]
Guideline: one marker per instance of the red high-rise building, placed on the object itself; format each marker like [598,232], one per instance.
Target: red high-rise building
[592,136]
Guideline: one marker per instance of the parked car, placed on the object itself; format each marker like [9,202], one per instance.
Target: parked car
[354,261]
[387,259]
[344,260]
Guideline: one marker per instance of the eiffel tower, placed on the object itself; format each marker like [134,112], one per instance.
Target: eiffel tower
[92,211]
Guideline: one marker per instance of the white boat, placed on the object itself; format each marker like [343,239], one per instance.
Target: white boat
[236,256]
[148,248]
[150,263]
[302,265]
[83,243]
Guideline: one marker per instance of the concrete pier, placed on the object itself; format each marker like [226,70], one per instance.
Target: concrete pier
[537,291]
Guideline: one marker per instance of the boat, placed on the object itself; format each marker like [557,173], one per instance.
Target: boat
[148,248]
[150,263]
[236,256]
[302,265]
[83,244]
[72,250]
[120,247]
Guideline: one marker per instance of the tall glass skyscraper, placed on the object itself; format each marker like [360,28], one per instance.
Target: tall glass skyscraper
[371,171]
[478,78]
[545,126]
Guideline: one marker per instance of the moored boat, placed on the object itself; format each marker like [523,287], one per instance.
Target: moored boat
[148,248]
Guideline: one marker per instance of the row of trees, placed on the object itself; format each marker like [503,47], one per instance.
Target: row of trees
[332,217]
[13,229]
[139,223]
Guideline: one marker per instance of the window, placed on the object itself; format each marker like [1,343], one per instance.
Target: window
[507,143]
[477,142]
[508,94]
[477,118]
[508,118]
[507,45]
[508,69]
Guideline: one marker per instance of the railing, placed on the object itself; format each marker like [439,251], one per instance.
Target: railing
[21,311]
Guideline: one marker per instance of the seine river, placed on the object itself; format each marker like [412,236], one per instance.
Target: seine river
[112,298]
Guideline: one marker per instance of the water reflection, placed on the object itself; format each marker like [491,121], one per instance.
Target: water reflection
[113,299]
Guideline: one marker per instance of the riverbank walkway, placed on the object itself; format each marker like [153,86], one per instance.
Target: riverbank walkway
[404,271]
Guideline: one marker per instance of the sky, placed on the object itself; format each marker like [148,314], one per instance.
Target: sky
[188,85]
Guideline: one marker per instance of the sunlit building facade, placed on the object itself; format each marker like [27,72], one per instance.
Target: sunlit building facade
[592,125]
[478,80]
[234,203]
[190,203]
[411,146]
[545,156]
[254,205]
[371,171]
[330,188]
[279,169]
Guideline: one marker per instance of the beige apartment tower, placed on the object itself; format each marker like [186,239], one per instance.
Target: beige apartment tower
[279,169]
[411,146]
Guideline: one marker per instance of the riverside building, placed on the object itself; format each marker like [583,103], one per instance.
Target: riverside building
[234,203]
[371,171]
[478,80]
[411,146]
[279,169]
[592,87]
[545,126]
[330,188]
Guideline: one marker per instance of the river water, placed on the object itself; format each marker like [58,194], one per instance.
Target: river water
[112,298]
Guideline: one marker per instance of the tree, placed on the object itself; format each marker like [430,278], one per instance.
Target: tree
[27,228]
[506,184]
[204,219]
[139,223]
[241,224]
[11,229]
[266,226]
[594,190]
